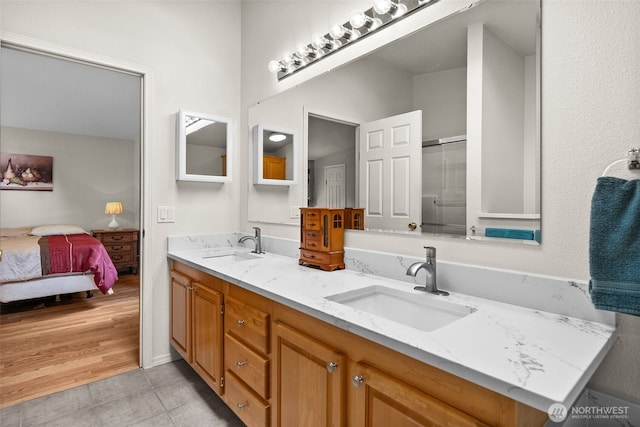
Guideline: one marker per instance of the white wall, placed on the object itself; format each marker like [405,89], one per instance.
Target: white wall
[192,52]
[590,110]
[442,97]
[87,172]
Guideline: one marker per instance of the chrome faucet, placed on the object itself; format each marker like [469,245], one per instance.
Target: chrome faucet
[430,267]
[257,239]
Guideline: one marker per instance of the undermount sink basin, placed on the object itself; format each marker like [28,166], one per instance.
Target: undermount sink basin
[421,311]
[232,256]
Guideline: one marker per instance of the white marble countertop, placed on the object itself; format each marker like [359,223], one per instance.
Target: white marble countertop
[535,357]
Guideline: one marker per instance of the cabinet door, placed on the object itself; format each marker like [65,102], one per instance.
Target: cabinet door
[309,381]
[379,400]
[181,314]
[207,335]
[274,167]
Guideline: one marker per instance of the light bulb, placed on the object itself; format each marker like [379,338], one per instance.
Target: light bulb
[359,19]
[302,50]
[320,42]
[337,31]
[382,6]
[287,58]
[275,66]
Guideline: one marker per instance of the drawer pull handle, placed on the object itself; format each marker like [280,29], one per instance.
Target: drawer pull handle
[241,322]
[357,380]
[117,248]
[313,244]
[117,237]
[241,406]
[240,363]
[331,366]
[312,224]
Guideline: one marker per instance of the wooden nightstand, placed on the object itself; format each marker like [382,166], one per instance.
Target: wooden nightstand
[121,245]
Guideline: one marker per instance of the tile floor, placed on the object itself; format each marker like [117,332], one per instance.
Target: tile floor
[166,395]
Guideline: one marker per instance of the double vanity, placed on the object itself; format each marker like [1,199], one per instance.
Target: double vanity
[284,344]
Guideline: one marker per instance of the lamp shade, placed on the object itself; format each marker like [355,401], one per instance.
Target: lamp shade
[113,208]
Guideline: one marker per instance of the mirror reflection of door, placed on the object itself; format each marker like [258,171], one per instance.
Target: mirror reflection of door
[391,172]
[206,146]
[334,185]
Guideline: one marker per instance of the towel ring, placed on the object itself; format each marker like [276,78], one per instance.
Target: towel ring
[632,160]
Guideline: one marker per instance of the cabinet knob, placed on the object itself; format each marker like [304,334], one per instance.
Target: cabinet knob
[357,380]
[240,363]
[331,366]
[241,322]
[241,406]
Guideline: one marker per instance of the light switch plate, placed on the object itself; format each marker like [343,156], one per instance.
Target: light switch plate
[295,212]
[166,214]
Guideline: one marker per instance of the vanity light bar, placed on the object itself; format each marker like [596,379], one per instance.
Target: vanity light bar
[360,25]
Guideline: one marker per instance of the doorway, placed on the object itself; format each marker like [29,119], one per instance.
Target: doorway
[127,147]
[331,161]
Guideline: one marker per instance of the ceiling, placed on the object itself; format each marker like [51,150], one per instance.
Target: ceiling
[51,94]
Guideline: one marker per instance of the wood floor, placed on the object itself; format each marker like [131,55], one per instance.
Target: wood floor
[68,343]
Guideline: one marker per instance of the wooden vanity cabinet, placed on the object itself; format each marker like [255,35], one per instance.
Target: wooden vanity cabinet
[322,238]
[309,381]
[286,368]
[383,387]
[380,400]
[196,322]
[247,360]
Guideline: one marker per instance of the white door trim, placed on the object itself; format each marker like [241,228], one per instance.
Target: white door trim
[146,74]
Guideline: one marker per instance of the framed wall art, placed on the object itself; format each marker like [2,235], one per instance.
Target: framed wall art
[26,172]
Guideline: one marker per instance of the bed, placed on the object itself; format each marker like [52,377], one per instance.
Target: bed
[52,260]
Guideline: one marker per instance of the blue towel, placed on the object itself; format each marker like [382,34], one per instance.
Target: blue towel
[614,246]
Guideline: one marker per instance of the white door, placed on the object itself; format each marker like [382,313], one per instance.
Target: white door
[391,172]
[334,186]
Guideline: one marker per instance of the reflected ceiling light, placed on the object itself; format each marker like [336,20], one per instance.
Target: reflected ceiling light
[277,137]
[361,24]
[194,124]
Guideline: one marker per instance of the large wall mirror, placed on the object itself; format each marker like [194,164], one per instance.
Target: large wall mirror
[461,95]
[203,147]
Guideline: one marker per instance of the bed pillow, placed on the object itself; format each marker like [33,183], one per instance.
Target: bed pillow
[15,232]
[47,230]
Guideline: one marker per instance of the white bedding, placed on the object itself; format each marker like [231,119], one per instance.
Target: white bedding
[22,261]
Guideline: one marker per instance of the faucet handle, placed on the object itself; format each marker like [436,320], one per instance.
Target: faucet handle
[431,251]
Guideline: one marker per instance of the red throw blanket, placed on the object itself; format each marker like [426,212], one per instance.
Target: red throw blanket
[77,253]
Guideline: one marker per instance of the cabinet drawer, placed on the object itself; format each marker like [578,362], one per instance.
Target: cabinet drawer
[252,410]
[247,323]
[117,238]
[248,365]
[313,224]
[315,257]
[313,239]
[120,257]
[119,248]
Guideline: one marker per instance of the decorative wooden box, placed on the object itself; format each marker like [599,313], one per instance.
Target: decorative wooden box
[354,218]
[322,238]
